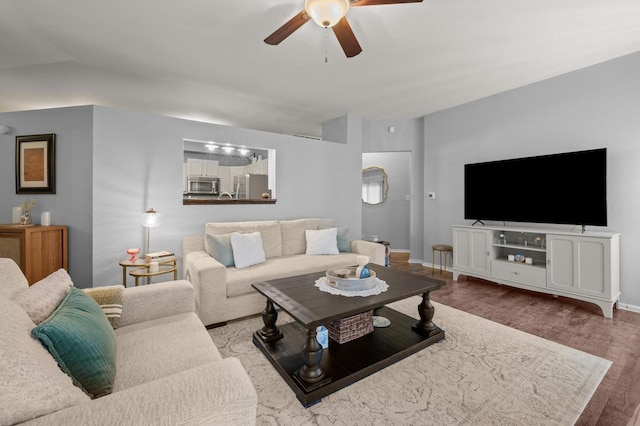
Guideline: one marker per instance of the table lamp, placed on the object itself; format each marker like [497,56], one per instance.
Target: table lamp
[150,219]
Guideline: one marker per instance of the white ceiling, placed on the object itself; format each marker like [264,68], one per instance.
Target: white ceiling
[206,61]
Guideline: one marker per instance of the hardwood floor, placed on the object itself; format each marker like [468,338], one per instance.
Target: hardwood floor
[573,323]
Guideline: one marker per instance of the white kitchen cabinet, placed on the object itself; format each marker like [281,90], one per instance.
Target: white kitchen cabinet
[196,167]
[263,167]
[236,171]
[583,266]
[225,180]
[210,168]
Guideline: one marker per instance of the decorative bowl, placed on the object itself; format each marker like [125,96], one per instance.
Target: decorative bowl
[345,279]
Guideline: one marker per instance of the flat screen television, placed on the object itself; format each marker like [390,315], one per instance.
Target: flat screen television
[568,188]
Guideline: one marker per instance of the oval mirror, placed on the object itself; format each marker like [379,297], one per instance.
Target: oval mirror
[375,184]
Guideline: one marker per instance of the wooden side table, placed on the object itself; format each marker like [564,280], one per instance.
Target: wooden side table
[141,264]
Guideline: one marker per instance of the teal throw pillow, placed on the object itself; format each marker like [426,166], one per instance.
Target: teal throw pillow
[219,247]
[81,339]
[343,238]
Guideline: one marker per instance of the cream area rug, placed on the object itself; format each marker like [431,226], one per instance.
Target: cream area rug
[484,373]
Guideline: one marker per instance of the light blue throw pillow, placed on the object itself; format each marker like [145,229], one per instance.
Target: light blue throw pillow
[219,247]
[343,238]
[81,339]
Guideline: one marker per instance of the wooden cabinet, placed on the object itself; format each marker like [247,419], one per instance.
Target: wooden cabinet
[582,266]
[38,250]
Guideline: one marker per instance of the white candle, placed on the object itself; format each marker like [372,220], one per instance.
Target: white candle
[45,218]
[16,213]
[154,267]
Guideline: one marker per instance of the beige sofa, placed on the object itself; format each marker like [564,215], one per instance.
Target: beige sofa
[168,371]
[225,293]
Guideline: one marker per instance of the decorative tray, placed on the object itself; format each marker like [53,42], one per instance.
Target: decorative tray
[345,279]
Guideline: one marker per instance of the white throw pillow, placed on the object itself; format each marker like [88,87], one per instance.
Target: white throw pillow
[42,298]
[322,241]
[247,249]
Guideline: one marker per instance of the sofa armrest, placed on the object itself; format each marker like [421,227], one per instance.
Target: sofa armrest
[375,251]
[155,301]
[209,278]
[217,393]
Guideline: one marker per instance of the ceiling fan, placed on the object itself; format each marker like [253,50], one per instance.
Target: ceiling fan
[329,13]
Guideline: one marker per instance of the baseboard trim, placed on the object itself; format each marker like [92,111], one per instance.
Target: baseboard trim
[414,261]
[431,265]
[399,251]
[627,307]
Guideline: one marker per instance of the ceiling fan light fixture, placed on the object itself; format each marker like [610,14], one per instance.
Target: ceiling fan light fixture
[326,13]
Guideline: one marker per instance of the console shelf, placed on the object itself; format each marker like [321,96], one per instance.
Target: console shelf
[520,247]
[583,266]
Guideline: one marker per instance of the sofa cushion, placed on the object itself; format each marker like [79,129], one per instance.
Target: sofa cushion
[41,299]
[239,280]
[247,249]
[81,339]
[110,300]
[293,236]
[32,384]
[322,241]
[219,247]
[158,348]
[11,278]
[269,230]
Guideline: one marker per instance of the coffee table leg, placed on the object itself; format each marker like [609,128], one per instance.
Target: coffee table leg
[311,375]
[270,332]
[425,326]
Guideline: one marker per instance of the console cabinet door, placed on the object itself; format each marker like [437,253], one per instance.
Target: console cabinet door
[579,264]
[471,250]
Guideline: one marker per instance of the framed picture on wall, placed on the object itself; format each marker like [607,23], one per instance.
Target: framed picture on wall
[36,164]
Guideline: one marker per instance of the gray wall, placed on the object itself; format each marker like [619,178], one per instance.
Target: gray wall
[138,164]
[408,136]
[594,107]
[391,219]
[72,203]
[112,165]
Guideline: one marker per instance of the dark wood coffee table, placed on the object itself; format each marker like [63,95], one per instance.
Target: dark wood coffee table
[312,372]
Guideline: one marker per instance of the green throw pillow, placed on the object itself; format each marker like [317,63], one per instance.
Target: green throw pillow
[219,247]
[80,338]
[343,238]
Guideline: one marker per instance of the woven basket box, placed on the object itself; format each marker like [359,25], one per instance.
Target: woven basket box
[350,328]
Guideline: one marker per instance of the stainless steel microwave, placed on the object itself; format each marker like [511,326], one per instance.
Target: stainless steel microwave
[203,185]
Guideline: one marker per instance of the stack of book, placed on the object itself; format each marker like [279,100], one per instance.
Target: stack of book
[159,256]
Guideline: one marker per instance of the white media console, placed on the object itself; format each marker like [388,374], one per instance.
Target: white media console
[583,266]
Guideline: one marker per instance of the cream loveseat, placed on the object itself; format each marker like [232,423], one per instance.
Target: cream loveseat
[168,371]
[225,293]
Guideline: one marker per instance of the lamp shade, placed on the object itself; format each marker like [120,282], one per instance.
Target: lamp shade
[326,13]
[151,218]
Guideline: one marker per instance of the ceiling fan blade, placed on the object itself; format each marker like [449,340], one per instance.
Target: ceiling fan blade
[288,28]
[378,2]
[347,38]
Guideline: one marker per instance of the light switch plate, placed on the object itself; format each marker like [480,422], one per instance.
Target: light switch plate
[431,195]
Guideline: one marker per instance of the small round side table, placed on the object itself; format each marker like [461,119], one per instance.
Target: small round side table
[441,249]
